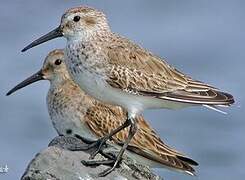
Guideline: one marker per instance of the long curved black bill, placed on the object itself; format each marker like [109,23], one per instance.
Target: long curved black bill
[34,78]
[51,35]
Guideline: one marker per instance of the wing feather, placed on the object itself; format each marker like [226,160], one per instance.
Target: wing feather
[133,69]
[102,119]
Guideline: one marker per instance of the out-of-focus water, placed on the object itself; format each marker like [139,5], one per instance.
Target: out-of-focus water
[204,39]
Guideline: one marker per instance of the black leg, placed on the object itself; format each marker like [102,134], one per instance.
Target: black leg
[132,131]
[95,163]
[103,140]
[108,155]
[100,142]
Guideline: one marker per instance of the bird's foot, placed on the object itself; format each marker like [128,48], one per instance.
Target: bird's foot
[95,146]
[99,144]
[95,163]
[111,162]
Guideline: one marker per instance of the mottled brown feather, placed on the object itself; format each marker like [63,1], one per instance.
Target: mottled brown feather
[102,119]
[133,69]
[66,99]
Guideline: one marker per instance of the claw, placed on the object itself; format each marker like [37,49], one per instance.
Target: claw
[106,172]
[112,162]
[109,170]
[100,143]
[97,162]
[108,155]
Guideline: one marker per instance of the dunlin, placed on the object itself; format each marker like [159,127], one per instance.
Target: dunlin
[73,112]
[115,70]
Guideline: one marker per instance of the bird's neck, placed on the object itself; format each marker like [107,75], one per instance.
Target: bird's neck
[58,82]
[88,37]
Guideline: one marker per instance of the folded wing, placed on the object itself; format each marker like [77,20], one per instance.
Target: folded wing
[102,119]
[135,70]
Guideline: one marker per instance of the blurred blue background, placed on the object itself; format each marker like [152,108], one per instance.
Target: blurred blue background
[204,39]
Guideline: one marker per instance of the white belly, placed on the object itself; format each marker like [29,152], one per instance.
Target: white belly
[97,87]
[94,84]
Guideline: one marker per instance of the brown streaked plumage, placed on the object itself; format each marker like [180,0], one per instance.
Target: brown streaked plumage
[123,64]
[133,69]
[116,71]
[72,109]
[102,119]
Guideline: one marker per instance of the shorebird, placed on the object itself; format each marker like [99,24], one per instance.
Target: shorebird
[117,71]
[73,112]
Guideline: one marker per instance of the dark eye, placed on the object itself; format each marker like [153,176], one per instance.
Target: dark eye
[57,62]
[76,18]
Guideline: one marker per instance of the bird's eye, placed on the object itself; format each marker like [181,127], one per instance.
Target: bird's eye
[76,18]
[58,62]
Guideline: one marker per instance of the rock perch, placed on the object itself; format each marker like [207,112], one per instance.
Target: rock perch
[58,163]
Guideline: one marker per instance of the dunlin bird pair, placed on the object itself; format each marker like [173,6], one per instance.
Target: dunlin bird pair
[114,70]
[73,112]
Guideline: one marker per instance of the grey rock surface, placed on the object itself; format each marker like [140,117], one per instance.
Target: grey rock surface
[57,163]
